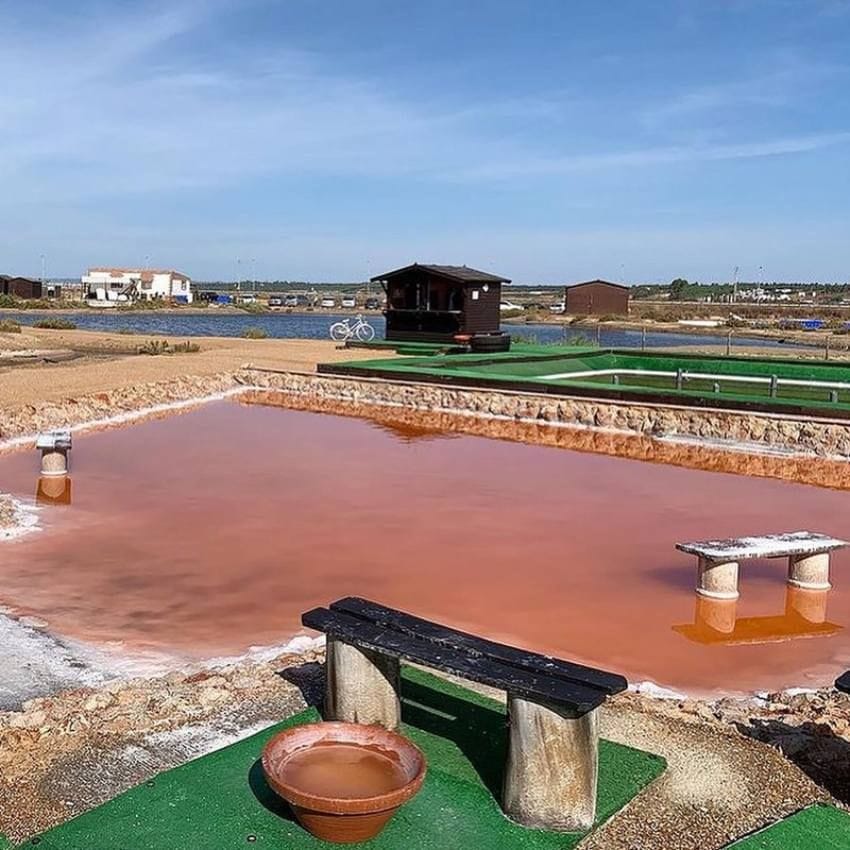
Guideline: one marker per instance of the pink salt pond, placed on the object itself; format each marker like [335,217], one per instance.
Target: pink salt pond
[344,781]
[208,532]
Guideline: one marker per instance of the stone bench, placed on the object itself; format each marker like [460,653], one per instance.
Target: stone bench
[843,682]
[807,553]
[553,747]
[54,447]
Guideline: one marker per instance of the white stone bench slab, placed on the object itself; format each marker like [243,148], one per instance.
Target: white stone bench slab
[807,553]
[766,546]
[60,439]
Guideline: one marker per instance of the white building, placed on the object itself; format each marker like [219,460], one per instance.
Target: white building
[109,284]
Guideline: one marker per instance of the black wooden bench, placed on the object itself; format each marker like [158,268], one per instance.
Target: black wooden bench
[550,776]
[843,682]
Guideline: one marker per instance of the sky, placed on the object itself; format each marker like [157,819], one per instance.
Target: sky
[327,140]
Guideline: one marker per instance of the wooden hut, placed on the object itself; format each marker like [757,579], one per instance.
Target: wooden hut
[434,303]
[596,298]
[20,287]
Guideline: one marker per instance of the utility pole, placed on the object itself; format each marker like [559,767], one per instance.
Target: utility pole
[735,287]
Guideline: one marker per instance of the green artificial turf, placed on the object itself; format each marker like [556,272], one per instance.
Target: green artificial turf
[222,801]
[526,367]
[816,828]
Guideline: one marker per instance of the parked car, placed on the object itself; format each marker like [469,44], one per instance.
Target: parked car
[560,307]
[275,301]
[208,296]
[349,301]
[327,301]
[372,304]
[290,301]
[248,298]
[304,301]
[508,306]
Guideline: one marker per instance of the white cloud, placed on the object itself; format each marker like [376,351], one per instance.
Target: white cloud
[118,104]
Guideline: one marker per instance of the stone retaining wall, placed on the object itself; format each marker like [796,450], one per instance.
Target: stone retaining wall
[29,419]
[759,432]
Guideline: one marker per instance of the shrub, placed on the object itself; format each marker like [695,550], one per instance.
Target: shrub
[254,333]
[55,324]
[154,347]
[8,326]
[8,301]
[185,347]
[254,307]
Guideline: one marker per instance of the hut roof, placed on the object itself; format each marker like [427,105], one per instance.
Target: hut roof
[462,274]
[596,283]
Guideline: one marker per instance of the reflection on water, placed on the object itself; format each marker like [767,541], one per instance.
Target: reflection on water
[821,472]
[53,490]
[206,533]
[716,621]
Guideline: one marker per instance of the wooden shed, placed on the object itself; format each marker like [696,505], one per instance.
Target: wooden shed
[596,297]
[435,303]
[20,287]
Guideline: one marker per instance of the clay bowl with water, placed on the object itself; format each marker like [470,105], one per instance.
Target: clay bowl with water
[344,781]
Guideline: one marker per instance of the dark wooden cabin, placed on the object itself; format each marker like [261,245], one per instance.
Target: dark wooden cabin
[20,287]
[597,298]
[431,303]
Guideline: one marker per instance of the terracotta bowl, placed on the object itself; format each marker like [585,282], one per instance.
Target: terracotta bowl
[343,819]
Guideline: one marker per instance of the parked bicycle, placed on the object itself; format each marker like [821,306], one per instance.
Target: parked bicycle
[344,330]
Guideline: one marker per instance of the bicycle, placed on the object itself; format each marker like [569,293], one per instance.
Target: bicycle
[343,331]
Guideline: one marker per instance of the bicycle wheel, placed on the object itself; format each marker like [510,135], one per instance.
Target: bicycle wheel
[340,332]
[365,333]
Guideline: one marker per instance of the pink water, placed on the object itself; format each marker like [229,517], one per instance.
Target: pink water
[205,533]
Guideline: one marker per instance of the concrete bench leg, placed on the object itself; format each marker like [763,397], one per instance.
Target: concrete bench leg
[552,768]
[362,686]
[54,462]
[810,572]
[717,579]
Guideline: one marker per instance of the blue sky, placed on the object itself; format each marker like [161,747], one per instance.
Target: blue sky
[549,141]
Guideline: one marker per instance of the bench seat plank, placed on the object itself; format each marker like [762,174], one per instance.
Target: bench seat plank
[536,687]
[767,546]
[608,683]
[843,682]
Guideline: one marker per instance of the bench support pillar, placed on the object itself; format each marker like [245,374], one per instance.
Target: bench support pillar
[717,579]
[362,686]
[552,767]
[54,461]
[810,572]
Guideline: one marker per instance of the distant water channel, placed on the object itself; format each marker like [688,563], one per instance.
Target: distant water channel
[316,326]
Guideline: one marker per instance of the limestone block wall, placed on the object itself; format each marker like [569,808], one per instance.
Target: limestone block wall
[762,432]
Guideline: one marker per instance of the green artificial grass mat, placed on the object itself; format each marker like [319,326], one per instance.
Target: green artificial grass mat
[526,366]
[221,800]
[816,828]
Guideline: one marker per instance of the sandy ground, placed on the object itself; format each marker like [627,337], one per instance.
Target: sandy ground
[110,364]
